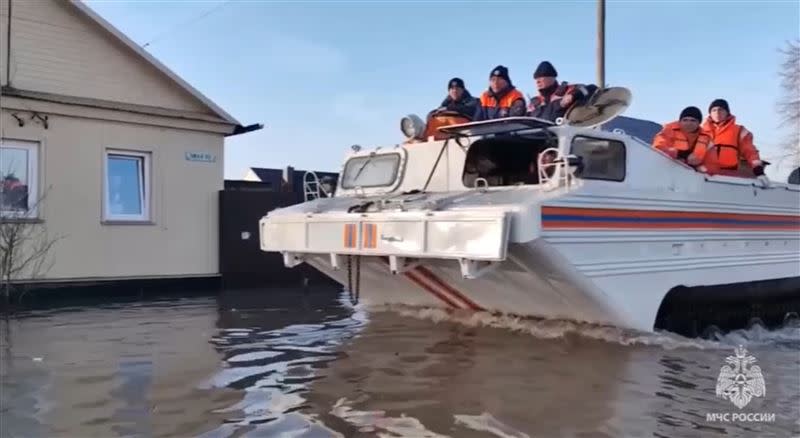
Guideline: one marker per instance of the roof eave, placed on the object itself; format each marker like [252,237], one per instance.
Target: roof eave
[240,129]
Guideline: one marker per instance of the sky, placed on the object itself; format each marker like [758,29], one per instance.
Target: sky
[322,76]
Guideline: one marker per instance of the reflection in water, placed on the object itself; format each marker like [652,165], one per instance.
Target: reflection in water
[305,363]
[272,355]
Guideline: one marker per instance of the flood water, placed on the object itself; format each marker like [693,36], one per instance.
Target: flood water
[305,363]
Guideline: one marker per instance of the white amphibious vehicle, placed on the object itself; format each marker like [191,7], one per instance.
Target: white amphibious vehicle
[526,217]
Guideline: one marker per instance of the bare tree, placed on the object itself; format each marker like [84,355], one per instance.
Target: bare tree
[25,243]
[789,103]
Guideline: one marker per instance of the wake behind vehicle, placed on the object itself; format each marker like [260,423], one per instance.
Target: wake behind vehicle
[560,220]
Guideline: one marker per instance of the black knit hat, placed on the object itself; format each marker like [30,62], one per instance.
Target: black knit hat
[545,69]
[502,72]
[693,112]
[455,82]
[722,103]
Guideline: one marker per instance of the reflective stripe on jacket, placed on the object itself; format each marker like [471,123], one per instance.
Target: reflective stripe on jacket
[505,104]
[731,144]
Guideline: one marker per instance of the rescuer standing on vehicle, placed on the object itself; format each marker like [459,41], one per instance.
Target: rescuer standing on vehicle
[502,99]
[458,100]
[732,143]
[553,99]
[684,140]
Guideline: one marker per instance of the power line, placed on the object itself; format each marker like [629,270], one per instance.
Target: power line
[186,23]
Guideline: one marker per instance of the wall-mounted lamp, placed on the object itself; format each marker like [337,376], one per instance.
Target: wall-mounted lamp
[20,120]
[42,118]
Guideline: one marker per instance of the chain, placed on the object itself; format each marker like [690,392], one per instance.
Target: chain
[358,278]
[354,292]
[350,277]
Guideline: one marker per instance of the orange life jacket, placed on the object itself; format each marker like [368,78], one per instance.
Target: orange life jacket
[489,101]
[673,137]
[731,141]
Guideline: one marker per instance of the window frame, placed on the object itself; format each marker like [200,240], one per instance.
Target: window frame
[392,183]
[609,140]
[145,191]
[32,147]
[532,141]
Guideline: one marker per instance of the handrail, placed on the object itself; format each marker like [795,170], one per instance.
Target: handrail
[312,189]
[563,173]
[748,182]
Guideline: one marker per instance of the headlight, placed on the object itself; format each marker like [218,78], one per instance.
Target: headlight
[412,126]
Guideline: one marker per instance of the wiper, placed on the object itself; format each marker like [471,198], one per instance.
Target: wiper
[360,169]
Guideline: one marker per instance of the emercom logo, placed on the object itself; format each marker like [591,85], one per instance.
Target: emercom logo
[739,381]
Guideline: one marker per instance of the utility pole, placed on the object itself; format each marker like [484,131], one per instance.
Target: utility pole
[8,48]
[601,43]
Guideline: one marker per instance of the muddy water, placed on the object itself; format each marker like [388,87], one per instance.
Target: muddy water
[304,363]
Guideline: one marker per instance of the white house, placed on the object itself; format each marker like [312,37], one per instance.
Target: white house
[126,157]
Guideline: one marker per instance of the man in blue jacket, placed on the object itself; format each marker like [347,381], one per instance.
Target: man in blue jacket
[458,99]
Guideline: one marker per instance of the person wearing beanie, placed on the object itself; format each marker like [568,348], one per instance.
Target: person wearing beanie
[458,100]
[732,145]
[684,140]
[553,100]
[502,99]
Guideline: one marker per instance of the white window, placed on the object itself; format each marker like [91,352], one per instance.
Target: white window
[19,175]
[602,159]
[375,170]
[127,186]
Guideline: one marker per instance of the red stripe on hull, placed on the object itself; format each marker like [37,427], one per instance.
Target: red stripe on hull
[427,287]
[427,280]
[419,282]
[657,226]
[665,214]
[432,277]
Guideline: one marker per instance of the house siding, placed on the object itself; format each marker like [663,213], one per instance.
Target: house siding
[55,49]
[183,238]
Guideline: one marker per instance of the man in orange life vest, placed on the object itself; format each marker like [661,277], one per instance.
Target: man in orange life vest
[683,139]
[731,144]
[554,99]
[502,99]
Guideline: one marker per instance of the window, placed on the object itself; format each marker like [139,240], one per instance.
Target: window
[378,170]
[602,159]
[127,186]
[19,174]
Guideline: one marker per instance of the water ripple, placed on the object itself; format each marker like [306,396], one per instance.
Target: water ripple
[311,364]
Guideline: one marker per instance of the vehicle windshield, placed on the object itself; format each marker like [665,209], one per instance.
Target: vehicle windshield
[378,170]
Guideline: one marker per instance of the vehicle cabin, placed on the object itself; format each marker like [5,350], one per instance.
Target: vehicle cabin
[506,152]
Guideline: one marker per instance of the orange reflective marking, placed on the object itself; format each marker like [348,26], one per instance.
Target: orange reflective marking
[349,235]
[369,237]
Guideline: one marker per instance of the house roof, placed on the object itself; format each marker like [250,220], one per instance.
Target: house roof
[264,174]
[88,12]
[645,130]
